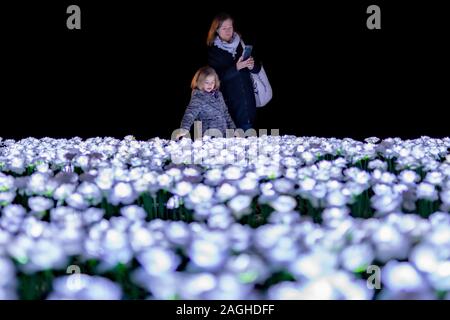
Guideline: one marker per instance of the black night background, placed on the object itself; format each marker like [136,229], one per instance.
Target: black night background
[128,70]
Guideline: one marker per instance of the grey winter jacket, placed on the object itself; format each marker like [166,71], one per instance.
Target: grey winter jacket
[210,109]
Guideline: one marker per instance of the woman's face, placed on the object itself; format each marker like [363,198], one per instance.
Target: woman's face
[209,83]
[225,31]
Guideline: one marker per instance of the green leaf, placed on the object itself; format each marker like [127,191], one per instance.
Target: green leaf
[248,277]
[360,269]
[22,260]
[174,296]
[441,294]
[48,193]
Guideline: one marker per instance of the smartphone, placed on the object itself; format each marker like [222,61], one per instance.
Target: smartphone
[247,52]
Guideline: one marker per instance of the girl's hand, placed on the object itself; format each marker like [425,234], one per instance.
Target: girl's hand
[239,134]
[180,134]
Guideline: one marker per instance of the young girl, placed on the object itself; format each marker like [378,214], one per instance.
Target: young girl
[207,104]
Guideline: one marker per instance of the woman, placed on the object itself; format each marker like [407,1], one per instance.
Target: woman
[225,56]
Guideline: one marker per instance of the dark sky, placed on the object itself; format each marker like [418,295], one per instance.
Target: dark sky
[128,70]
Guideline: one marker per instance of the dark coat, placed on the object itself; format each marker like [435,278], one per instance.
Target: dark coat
[210,109]
[236,86]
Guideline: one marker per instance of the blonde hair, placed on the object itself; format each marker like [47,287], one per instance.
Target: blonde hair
[215,25]
[201,75]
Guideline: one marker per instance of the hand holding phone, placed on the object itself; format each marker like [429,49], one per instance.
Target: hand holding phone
[247,52]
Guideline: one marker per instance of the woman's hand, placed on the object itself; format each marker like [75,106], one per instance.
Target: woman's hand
[249,63]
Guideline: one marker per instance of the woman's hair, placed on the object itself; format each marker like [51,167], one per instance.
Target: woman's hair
[215,25]
[202,74]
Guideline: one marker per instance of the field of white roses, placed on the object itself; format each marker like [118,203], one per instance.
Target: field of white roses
[272,217]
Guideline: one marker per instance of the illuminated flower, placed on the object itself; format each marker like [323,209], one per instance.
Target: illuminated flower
[90,192]
[196,285]
[40,203]
[283,203]
[123,193]
[200,194]
[158,261]
[84,287]
[313,265]
[240,205]
[228,287]
[427,191]
[133,212]
[386,203]
[6,198]
[206,255]
[6,183]
[390,243]
[357,258]
[402,276]
[46,255]
[76,201]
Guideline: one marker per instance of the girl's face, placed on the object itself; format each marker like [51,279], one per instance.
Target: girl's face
[209,84]
[226,30]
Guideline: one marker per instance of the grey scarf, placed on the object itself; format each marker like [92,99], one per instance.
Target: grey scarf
[231,47]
